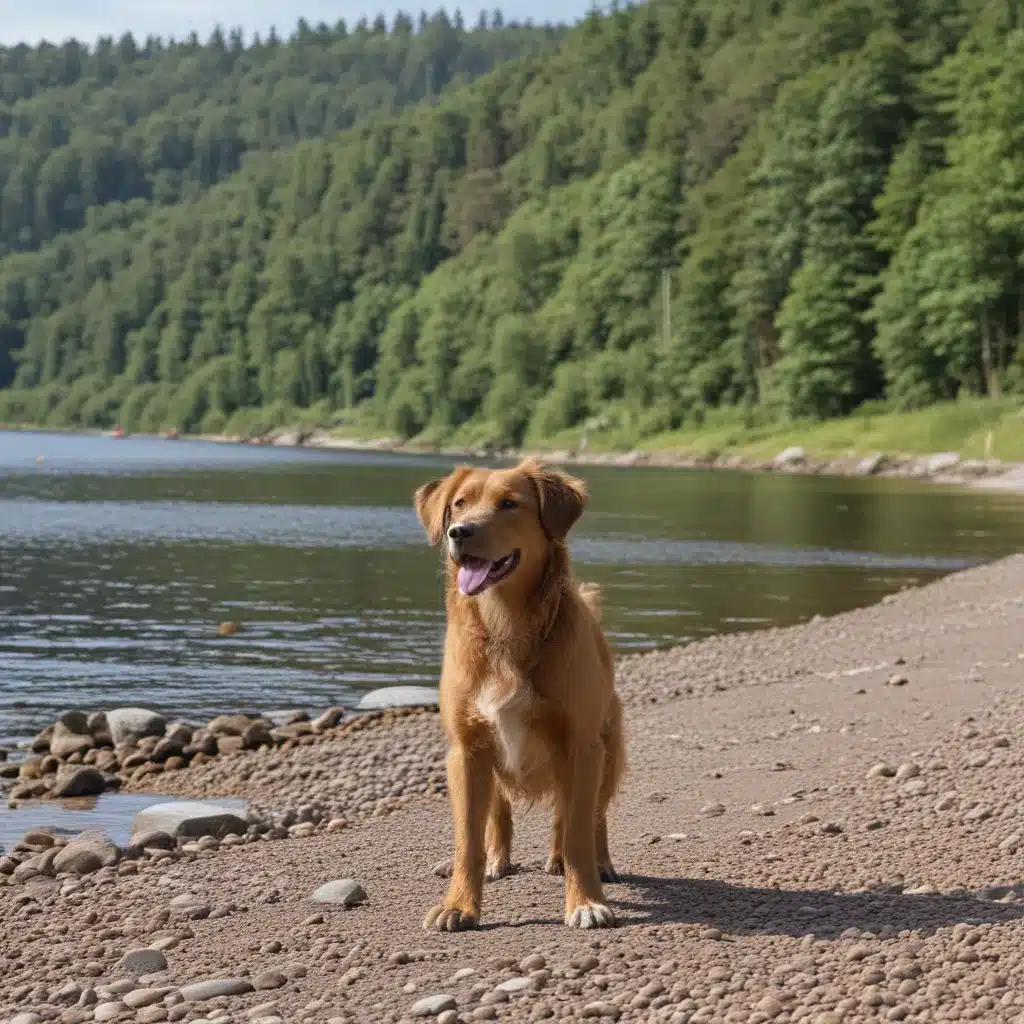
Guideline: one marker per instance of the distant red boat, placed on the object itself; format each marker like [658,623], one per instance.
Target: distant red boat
[118,432]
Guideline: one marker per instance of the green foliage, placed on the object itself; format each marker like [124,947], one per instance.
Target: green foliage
[669,216]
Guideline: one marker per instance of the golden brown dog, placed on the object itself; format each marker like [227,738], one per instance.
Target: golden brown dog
[527,688]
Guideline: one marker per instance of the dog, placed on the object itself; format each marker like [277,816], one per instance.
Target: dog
[528,699]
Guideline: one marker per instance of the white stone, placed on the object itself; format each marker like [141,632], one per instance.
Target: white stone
[191,819]
[399,697]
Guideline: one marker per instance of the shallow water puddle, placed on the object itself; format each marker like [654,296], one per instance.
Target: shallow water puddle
[110,814]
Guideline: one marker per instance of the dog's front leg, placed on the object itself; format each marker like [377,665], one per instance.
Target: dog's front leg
[581,781]
[470,780]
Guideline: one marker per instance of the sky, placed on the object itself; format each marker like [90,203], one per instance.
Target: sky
[56,20]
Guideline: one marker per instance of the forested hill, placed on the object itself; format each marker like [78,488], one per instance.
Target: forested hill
[86,126]
[829,192]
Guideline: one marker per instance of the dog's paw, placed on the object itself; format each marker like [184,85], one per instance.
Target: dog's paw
[609,874]
[500,869]
[591,915]
[449,919]
[555,865]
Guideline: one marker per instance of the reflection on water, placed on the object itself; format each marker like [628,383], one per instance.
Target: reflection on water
[119,558]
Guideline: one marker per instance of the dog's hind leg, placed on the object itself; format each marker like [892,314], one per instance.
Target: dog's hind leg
[499,836]
[614,765]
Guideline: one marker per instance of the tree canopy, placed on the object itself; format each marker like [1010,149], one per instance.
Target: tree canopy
[506,231]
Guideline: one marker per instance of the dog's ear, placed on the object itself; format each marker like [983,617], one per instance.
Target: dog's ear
[562,498]
[431,502]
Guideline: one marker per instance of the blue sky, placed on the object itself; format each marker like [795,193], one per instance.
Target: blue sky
[56,20]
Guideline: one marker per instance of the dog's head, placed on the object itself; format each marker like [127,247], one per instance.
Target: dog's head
[497,522]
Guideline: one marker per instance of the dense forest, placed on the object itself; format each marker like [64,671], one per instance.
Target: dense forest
[792,208]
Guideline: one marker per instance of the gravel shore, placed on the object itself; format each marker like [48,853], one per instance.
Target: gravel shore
[819,824]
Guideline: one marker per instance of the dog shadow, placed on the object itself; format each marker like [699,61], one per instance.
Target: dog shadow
[741,910]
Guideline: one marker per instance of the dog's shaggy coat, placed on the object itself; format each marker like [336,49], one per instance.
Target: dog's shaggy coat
[527,688]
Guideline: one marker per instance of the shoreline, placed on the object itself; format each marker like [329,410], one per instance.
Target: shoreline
[943,468]
[820,813]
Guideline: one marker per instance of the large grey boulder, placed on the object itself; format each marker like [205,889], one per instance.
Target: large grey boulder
[78,780]
[400,697]
[86,854]
[134,723]
[190,819]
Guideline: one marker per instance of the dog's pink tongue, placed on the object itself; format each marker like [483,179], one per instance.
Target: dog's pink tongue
[473,575]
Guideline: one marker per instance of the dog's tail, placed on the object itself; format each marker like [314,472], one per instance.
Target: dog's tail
[591,594]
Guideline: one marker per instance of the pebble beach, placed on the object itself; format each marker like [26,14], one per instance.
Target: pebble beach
[822,824]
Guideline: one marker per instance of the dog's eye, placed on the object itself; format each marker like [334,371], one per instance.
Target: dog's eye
[507,504]
[458,503]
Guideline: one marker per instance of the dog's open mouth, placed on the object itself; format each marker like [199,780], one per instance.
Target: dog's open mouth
[477,574]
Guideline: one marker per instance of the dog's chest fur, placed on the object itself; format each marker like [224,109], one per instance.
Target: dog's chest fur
[507,712]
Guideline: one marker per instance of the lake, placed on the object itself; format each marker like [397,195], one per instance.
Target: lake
[119,558]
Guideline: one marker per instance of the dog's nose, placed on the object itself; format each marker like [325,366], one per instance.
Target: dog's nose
[460,531]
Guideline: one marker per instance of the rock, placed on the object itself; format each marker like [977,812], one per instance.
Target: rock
[189,906]
[99,729]
[79,780]
[601,1009]
[399,697]
[66,741]
[870,464]
[190,819]
[346,891]
[39,837]
[138,962]
[153,839]
[230,744]
[200,991]
[897,680]
[1012,842]
[713,810]
[140,997]
[134,723]
[941,462]
[909,770]
[269,980]
[26,1018]
[882,771]
[329,719]
[86,854]
[41,865]
[256,735]
[515,985]
[229,725]
[167,747]
[107,1011]
[41,744]
[448,1017]
[790,458]
[432,1006]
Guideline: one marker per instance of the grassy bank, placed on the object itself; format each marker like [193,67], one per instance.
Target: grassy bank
[975,428]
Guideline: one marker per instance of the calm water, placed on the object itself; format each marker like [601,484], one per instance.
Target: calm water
[118,558]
